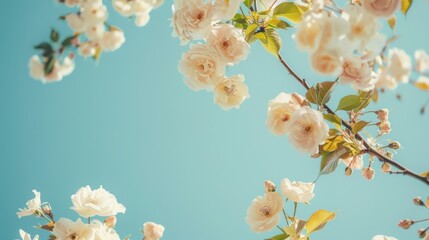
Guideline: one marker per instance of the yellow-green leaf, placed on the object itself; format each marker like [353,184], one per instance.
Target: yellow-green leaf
[356,127]
[330,161]
[423,85]
[320,94]
[405,6]
[290,11]
[349,102]
[278,237]
[273,44]
[333,119]
[332,143]
[250,31]
[318,220]
[392,22]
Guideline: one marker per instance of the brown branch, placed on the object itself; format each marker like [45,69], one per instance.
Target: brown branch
[369,148]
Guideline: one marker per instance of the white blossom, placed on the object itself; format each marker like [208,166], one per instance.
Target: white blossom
[299,192]
[66,229]
[280,110]
[263,213]
[231,92]
[399,65]
[422,61]
[112,40]
[26,236]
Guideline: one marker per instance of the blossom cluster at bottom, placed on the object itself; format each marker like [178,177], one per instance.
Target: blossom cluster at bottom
[87,203]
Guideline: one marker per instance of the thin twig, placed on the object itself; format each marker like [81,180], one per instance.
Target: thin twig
[369,148]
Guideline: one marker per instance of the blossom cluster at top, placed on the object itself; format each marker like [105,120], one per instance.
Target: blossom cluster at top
[88,204]
[91,35]
[203,65]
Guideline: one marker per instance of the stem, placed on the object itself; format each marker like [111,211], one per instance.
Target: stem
[284,214]
[89,220]
[295,205]
[370,149]
[422,220]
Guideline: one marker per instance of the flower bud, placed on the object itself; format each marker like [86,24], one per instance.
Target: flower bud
[385,167]
[269,186]
[368,173]
[388,155]
[405,224]
[394,145]
[384,127]
[422,232]
[47,210]
[110,221]
[383,114]
[418,201]
[348,171]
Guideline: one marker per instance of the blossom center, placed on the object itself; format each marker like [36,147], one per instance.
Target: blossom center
[265,211]
[230,90]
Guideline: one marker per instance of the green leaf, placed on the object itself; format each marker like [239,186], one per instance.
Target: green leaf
[44,46]
[278,237]
[320,94]
[250,31]
[349,102]
[55,36]
[277,23]
[332,143]
[425,174]
[318,220]
[248,3]
[405,6]
[330,161]
[333,119]
[356,127]
[290,11]
[68,40]
[49,65]
[273,42]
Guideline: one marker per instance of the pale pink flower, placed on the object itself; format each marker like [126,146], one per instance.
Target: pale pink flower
[153,231]
[226,9]
[65,229]
[280,110]
[382,237]
[381,8]
[384,127]
[422,61]
[368,173]
[383,114]
[385,80]
[269,186]
[263,213]
[228,43]
[354,162]
[231,92]
[112,40]
[298,192]
[307,130]
[357,73]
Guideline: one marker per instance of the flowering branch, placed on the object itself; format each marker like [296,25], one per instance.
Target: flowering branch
[368,147]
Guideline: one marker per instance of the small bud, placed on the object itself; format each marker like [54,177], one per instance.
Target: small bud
[269,186]
[348,171]
[368,173]
[384,127]
[47,209]
[418,201]
[422,232]
[385,167]
[394,145]
[110,221]
[71,55]
[383,114]
[405,224]
[316,155]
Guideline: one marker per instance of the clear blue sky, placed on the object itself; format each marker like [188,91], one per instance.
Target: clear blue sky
[169,154]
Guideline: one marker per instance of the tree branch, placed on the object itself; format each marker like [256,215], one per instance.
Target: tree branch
[369,148]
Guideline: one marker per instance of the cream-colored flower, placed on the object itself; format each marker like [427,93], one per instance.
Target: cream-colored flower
[26,236]
[385,80]
[382,237]
[191,20]
[123,7]
[280,110]
[269,186]
[422,61]
[399,65]
[229,43]
[231,92]
[94,13]
[66,229]
[299,192]
[152,231]
[309,31]
[155,3]
[307,130]
[87,49]
[103,232]
[142,19]
[201,68]
[353,162]
[263,213]
[33,206]
[112,40]
[95,32]
[75,22]
[110,221]
[383,114]
[363,25]
[381,8]
[327,62]
[226,9]
[384,127]
[72,3]
[36,68]
[373,47]
[357,73]
[60,70]
[88,203]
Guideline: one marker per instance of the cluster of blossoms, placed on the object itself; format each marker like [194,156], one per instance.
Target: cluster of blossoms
[88,204]
[203,65]
[345,43]
[291,114]
[92,35]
